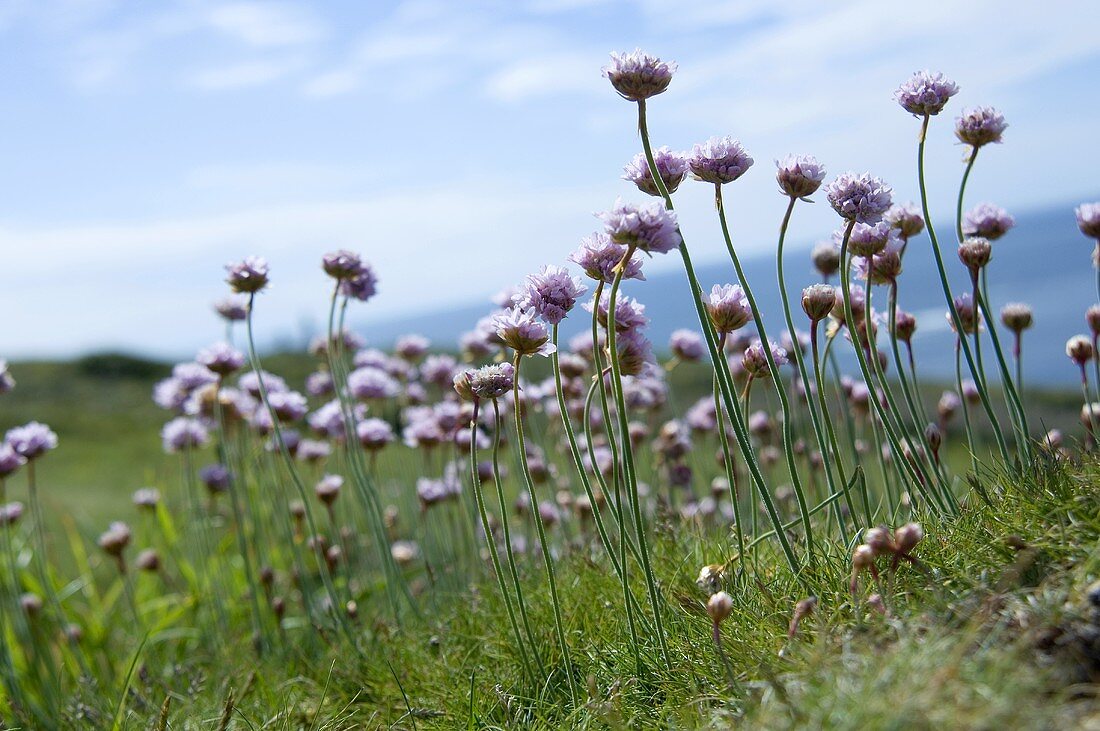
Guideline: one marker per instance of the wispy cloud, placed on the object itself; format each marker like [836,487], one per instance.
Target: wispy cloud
[266,23]
[242,75]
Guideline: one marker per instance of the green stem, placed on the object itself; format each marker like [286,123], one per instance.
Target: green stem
[630,478]
[280,443]
[718,361]
[819,386]
[492,546]
[901,464]
[946,285]
[508,540]
[574,450]
[800,362]
[773,368]
[547,558]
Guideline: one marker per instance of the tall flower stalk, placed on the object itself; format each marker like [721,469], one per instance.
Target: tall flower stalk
[946,286]
[718,361]
[773,368]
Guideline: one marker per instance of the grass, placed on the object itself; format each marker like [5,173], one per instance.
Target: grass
[991,630]
[964,644]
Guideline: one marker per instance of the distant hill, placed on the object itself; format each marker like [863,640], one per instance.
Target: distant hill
[1044,261]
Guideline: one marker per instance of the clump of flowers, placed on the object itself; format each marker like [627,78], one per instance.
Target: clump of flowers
[728,307]
[859,197]
[987,221]
[925,93]
[598,256]
[637,75]
[980,126]
[672,167]
[550,294]
[799,176]
[249,275]
[648,227]
[523,332]
[719,160]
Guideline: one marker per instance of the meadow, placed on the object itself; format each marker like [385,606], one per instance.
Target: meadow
[777,529]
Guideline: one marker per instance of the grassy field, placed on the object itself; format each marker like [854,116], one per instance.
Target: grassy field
[101,408]
[993,628]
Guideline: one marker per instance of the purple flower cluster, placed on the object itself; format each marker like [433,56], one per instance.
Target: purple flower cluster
[629,313]
[10,460]
[342,264]
[885,263]
[859,197]
[869,239]
[183,433]
[728,307]
[31,440]
[799,176]
[980,126]
[1088,219]
[550,294]
[233,308]
[7,382]
[492,381]
[598,256]
[755,360]
[687,345]
[987,221]
[648,227]
[374,433]
[523,332]
[412,348]
[221,358]
[906,218]
[925,93]
[672,167]
[361,286]
[719,160]
[248,276]
[637,75]
[367,383]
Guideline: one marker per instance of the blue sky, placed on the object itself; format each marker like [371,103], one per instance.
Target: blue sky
[460,145]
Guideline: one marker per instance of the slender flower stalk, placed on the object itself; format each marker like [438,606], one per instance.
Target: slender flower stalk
[597,517]
[508,548]
[547,557]
[280,443]
[773,368]
[827,423]
[970,443]
[893,437]
[891,411]
[361,479]
[730,467]
[830,465]
[630,477]
[490,543]
[718,362]
[235,488]
[982,301]
[945,284]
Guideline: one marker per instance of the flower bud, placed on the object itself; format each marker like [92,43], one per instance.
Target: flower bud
[907,537]
[878,540]
[975,253]
[1079,349]
[719,606]
[148,560]
[818,301]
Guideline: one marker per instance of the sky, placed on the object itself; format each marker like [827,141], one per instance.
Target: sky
[461,145]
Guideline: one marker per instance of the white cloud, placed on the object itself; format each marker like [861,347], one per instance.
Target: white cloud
[241,75]
[546,76]
[266,23]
